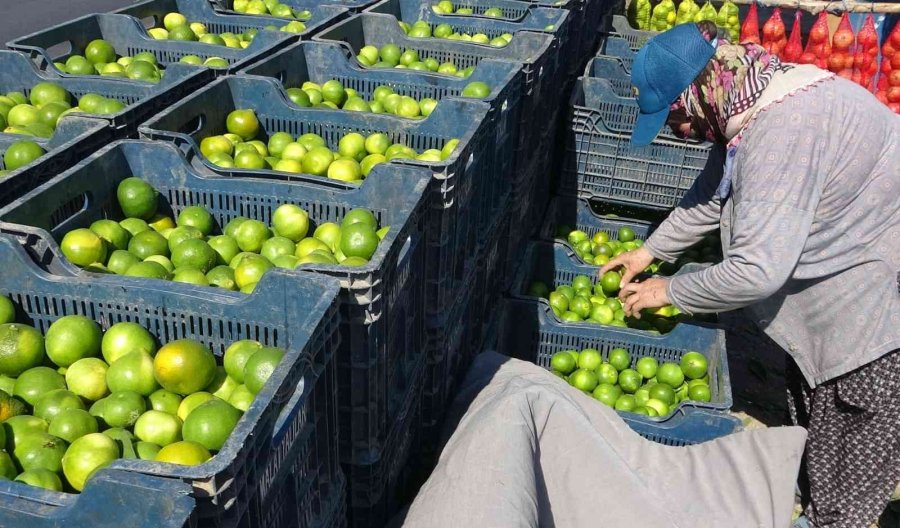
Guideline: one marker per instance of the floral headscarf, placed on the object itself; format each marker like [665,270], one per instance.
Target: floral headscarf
[731,83]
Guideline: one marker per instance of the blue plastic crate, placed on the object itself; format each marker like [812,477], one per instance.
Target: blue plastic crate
[296,401]
[17,73]
[128,37]
[534,51]
[613,72]
[618,49]
[619,27]
[377,490]
[151,13]
[74,137]
[321,61]
[577,214]
[521,16]
[451,220]
[554,263]
[111,498]
[605,165]
[529,330]
[682,429]
[353,6]
[380,303]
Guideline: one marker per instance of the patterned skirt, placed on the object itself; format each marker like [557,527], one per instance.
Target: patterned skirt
[852,460]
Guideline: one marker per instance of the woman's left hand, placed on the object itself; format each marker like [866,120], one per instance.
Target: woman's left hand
[650,293]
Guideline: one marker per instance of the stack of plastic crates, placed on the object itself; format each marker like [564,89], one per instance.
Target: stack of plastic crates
[600,161]
[381,355]
[290,423]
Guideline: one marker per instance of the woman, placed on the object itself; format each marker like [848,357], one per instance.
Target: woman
[804,183]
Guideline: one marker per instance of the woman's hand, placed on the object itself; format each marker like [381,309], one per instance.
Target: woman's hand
[651,293]
[632,262]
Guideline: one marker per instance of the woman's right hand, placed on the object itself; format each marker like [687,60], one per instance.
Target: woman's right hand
[632,262]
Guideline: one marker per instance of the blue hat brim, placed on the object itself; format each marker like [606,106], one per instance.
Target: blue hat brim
[648,126]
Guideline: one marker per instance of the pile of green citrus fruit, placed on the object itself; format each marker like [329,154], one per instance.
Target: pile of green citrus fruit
[445,7]
[583,301]
[391,56]
[333,94]
[177,27]
[270,7]
[19,154]
[309,154]
[422,29]
[100,59]
[76,399]
[39,113]
[598,249]
[642,387]
[151,245]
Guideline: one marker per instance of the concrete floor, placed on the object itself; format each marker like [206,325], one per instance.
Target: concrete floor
[22,17]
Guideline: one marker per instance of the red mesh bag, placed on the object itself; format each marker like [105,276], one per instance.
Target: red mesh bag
[794,48]
[750,27]
[774,34]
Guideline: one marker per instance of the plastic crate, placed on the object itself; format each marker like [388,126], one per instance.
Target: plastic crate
[294,403]
[604,165]
[321,61]
[450,223]
[534,51]
[619,113]
[577,214]
[73,138]
[613,72]
[529,330]
[128,37]
[619,27]
[618,49]
[352,6]
[151,13]
[523,17]
[291,505]
[17,73]
[380,303]
[377,490]
[121,498]
[682,429]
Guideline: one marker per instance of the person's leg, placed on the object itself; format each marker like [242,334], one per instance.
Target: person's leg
[853,448]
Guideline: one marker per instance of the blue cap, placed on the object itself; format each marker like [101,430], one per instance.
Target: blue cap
[666,65]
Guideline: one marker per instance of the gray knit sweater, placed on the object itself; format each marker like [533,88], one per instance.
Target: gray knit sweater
[810,231]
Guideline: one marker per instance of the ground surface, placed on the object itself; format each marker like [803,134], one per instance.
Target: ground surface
[21,17]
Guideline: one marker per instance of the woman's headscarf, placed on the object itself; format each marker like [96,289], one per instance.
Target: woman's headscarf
[731,83]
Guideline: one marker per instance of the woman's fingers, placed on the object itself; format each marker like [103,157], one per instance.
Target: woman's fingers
[612,264]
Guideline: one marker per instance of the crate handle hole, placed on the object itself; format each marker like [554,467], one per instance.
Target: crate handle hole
[62,49]
[150,22]
[193,125]
[70,209]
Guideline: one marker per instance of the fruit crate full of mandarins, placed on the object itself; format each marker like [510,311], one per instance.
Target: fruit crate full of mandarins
[424,19]
[29,161]
[299,9]
[145,391]
[534,51]
[452,147]
[169,18]
[123,46]
[123,105]
[623,361]
[310,70]
[380,275]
